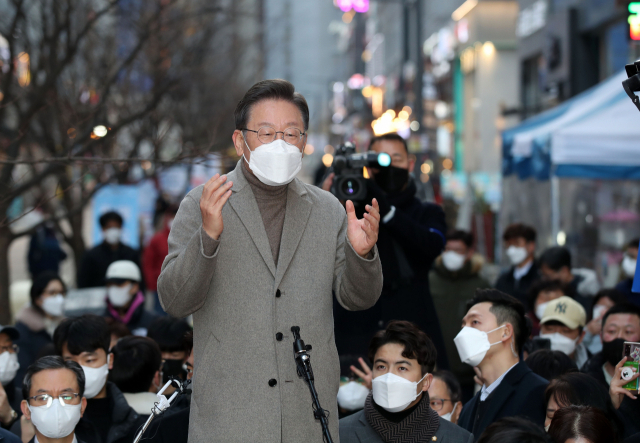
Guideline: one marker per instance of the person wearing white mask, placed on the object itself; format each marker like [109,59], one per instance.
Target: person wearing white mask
[10,394]
[398,408]
[493,333]
[628,270]
[37,321]
[445,395]
[253,252]
[95,261]
[520,248]
[540,294]
[125,299]
[453,281]
[108,418]
[54,400]
[563,323]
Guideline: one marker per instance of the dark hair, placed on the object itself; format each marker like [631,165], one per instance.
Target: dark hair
[507,309]
[634,243]
[137,359]
[452,383]
[614,295]
[518,230]
[52,362]
[276,89]
[82,334]
[169,333]
[417,345]
[556,258]
[573,422]
[514,430]
[577,388]
[40,283]
[110,216]
[188,341]
[621,308]
[392,136]
[116,328]
[550,364]
[543,286]
[464,236]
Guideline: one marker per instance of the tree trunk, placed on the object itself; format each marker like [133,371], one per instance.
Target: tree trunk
[77,243]
[5,306]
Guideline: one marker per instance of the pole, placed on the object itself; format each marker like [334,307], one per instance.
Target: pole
[417,82]
[555,207]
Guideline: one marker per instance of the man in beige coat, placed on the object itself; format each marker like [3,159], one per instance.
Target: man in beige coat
[252,254]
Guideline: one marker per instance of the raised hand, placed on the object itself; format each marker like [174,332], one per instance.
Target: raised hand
[365,374]
[616,390]
[363,233]
[214,195]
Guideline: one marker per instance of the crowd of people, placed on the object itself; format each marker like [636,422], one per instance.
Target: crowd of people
[441,354]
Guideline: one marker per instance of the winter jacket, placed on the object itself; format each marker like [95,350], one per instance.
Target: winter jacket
[450,292]
[169,428]
[33,339]
[518,288]
[153,256]
[139,320]
[95,262]
[625,287]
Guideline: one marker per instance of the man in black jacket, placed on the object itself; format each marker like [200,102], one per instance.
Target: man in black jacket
[411,237]
[520,243]
[509,388]
[95,261]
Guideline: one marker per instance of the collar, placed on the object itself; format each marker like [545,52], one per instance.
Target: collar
[487,390]
[138,300]
[518,273]
[75,439]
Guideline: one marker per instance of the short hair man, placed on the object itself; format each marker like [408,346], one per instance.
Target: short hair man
[445,395]
[520,244]
[94,263]
[54,401]
[169,333]
[453,281]
[563,324]
[628,265]
[494,330]
[398,409]
[108,418]
[555,264]
[125,299]
[136,372]
[10,395]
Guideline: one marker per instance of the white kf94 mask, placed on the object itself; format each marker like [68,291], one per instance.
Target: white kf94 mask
[276,163]
[473,344]
[394,393]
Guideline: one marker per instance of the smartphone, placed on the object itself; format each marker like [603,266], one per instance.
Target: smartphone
[631,350]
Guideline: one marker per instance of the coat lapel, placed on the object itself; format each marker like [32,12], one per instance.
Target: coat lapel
[365,433]
[499,398]
[244,204]
[295,222]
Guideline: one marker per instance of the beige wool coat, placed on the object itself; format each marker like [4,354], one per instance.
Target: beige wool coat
[246,388]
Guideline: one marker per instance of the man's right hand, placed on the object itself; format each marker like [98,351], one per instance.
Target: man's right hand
[214,195]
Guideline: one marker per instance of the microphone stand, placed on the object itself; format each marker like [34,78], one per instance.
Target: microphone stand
[163,403]
[303,362]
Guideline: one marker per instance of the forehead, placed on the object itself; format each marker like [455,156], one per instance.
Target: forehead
[67,354]
[392,352]
[623,319]
[438,388]
[4,338]
[54,379]
[391,147]
[278,113]
[481,310]
[456,243]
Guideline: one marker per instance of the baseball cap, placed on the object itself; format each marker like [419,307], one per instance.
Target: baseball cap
[565,310]
[10,331]
[123,270]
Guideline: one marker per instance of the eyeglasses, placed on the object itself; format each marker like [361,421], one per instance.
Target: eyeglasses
[69,398]
[266,134]
[438,403]
[10,349]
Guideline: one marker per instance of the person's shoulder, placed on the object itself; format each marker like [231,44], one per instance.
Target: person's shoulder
[352,421]
[453,432]
[194,194]
[8,437]
[319,197]
[531,380]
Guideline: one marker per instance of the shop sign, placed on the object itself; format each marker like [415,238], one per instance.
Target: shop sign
[532,19]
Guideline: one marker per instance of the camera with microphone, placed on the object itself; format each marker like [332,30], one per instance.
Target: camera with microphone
[348,166]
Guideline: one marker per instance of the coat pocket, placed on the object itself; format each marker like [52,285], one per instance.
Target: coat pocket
[201,383]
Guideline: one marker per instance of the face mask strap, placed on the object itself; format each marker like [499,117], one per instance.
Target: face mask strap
[492,344]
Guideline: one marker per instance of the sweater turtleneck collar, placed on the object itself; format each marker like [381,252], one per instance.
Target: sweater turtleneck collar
[260,190]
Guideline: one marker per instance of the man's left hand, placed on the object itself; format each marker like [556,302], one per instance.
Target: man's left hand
[363,233]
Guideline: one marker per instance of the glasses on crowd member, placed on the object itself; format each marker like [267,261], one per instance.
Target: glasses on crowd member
[68,398]
[267,134]
[54,292]
[10,349]
[438,403]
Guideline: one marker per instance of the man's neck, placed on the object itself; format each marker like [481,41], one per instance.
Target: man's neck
[42,439]
[525,263]
[496,366]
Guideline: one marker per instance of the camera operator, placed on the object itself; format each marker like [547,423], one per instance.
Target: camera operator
[411,237]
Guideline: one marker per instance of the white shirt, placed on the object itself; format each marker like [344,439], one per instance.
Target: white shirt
[492,387]
[75,440]
[518,273]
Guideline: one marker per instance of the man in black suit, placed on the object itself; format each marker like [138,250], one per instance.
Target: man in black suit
[494,331]
[520,244]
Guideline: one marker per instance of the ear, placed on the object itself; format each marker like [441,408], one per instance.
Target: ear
[238,142]
[135,287]
[83,406]
[412,162]
[470,253]
[581,336]
[531,247]
[507,335]
[110,358]
[24,407]
[427,382]
[157,380]
[456,414]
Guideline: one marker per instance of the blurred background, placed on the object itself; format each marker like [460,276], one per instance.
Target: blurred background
[513,110]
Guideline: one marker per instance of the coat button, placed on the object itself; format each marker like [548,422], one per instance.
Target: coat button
[278,294]
[279,336]
[273,382]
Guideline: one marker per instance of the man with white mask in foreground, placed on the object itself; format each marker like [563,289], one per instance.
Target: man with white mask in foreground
[398,408]
[54,399]
[493,333]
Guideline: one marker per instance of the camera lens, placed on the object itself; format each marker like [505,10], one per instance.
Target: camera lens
[350,187]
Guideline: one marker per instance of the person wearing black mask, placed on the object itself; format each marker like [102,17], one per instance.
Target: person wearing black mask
[411,237]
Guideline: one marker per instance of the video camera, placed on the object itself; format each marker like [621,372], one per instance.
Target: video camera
[349,182]
[632,84]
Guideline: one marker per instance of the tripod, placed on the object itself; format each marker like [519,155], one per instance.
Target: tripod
[303,362]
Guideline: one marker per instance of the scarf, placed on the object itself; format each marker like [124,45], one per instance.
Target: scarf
[126,318]
[419,426]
